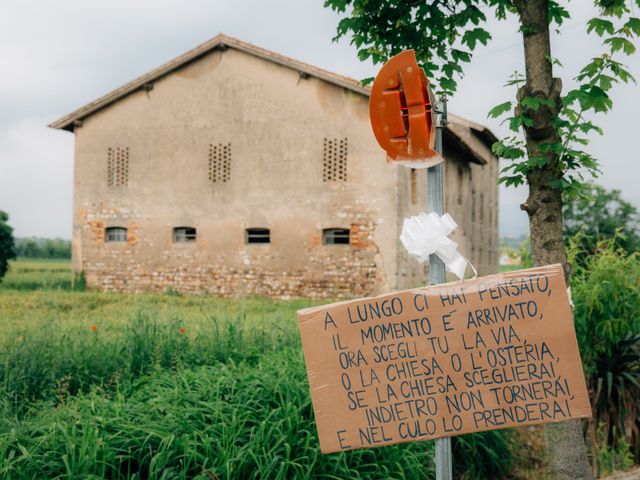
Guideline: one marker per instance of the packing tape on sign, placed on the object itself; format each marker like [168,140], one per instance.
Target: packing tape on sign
[427,234]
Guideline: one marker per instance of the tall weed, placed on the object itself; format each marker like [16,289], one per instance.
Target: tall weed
[55,362]
[231,421]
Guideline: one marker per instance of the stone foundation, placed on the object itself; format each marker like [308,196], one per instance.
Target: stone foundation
[348,279]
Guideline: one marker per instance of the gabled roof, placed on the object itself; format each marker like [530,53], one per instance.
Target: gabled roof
[464,132]
[220,41]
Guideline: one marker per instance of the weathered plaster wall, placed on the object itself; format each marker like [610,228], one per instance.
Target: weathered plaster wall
[275,121]
[471,196]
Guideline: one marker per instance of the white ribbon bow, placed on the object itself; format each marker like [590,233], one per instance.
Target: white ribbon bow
[427,234]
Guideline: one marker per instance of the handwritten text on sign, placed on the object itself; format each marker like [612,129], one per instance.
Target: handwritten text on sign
[456,358]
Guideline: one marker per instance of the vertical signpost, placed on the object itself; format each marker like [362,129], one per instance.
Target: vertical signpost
[405,119]
[435,203]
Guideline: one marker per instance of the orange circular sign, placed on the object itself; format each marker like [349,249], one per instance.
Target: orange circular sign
[402,113]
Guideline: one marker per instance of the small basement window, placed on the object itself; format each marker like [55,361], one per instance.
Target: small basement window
[184,234]
[258,235]
[115,234]
[336,236]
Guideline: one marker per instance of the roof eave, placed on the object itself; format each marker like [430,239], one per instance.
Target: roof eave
[468,151]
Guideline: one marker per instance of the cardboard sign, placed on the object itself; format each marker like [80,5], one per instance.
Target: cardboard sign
[495,352]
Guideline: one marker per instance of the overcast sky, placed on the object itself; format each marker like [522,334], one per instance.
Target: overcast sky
[55,56]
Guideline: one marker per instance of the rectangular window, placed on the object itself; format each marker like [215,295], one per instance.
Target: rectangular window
[336,236]
[258,235]
[115,234]
[184,234]
[117,166]
[219,162]
[334,162]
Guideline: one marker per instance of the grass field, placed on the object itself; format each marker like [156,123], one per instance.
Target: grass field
[97,385]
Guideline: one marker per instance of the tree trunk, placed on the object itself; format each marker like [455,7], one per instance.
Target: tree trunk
[566,449]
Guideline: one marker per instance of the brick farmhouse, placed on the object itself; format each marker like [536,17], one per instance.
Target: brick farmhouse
[234,170]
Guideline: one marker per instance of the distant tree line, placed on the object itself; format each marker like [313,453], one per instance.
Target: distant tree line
[34,247]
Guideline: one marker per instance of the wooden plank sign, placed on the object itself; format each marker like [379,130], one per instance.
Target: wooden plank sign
[495,352]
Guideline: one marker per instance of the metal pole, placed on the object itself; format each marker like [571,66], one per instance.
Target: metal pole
[435,192]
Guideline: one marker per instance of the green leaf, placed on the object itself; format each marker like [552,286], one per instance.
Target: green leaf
[601,26]
[591,69]
[509,151]
[343,28]
[450,67]
[633,24]
[363,54]
[534,103]
[596,99]
[530,102]
[519,121]
[447,84]
[499,110]
[557,13]
[621,72]
[337,5]
[587,127]
[366,81]
[512,153]
[475,15]
[460,55]
[511,180]
[515,123]
[539,161]
[612,8]
[606,82]
[471,37]
[620,43]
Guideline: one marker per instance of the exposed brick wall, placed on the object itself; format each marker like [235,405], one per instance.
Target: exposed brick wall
[326,272]
[351,278]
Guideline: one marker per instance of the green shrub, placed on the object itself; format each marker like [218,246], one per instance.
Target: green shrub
[7,244]
[606,293]
[79,283]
